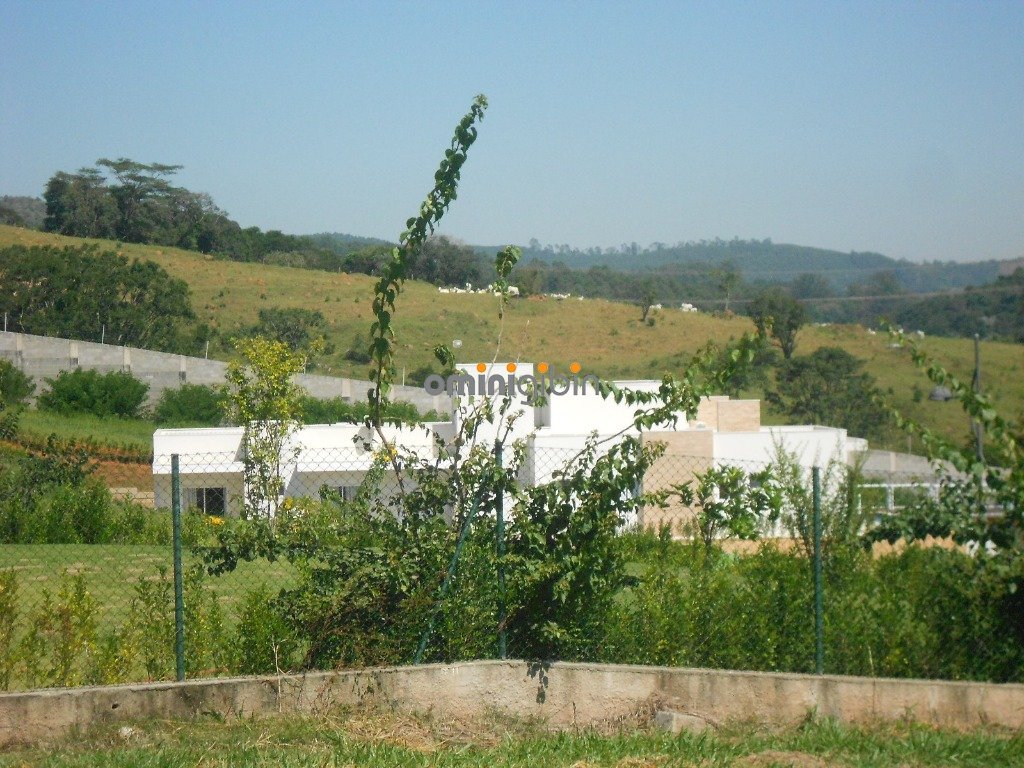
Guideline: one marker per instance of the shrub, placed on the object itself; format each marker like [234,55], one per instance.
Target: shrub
[190,404]
[86,391]
[338,410]
[15,386]
[264,643]
[8,623]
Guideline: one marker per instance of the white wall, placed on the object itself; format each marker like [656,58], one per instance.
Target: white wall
[812,445]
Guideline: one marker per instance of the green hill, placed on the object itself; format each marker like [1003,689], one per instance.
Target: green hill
[606,337]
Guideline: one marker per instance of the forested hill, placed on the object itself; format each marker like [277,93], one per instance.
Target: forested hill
[762,261]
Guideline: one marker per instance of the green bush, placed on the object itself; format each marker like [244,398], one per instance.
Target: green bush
[338,410]
[190,405]
[264,642]
[923,612]
[86,391]
[15,386]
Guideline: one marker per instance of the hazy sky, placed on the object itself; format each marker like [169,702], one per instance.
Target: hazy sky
[894,127]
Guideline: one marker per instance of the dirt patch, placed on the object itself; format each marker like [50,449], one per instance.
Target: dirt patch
[774,758]
[653,761]
[425,733]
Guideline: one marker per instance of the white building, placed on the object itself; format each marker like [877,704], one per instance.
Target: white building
[338,456]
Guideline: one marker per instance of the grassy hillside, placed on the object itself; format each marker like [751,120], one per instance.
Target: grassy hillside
[605,337]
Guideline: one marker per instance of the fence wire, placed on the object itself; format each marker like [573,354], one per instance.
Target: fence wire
[86,574]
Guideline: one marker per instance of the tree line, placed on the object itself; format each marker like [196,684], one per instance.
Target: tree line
[138,203]
[86,293]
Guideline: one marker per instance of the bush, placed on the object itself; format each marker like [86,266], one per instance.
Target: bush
[338,410]
[264,643]
[190,404]
[923,612]
[15,386]
[86,391]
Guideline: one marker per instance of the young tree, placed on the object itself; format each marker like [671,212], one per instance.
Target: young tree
[264,400]
[15,386]
[775,311]
[727,279]
[646,299]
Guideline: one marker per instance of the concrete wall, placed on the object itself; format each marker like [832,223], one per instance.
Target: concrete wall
[562,694]
[44,357]
[892,463]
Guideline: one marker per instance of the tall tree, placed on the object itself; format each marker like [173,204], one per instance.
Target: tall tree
[829,387]
[80,205]
[142,193]
[775,311]
[727,279]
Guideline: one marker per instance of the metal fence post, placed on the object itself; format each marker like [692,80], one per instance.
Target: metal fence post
[179,597]
[819,603]
[500,546]
[449,575]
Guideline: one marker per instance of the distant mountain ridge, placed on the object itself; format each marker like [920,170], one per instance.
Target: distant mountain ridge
[765,261]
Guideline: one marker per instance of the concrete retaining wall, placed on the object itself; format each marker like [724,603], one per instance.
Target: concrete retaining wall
[44,357]
[562,694]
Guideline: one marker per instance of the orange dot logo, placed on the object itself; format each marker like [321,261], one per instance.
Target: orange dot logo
[481,367]
[511,367]
[575,367]
[542,367]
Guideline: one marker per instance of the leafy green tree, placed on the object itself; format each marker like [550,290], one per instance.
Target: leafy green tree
[23,211]
[776,312]
[142,193]
[264,400]
[731,502]
[811,285]
[645,301]
[15,386]
[444,261]
[79,292]
[79,204]
[829,387]
[881,283]
[727,280]
[190,404]
[101,394]
[294,326]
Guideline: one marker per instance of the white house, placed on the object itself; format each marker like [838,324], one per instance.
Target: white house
[337,456]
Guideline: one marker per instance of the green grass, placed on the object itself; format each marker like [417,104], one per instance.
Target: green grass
[361,739]
[136,434]
[605,337]
[111,572]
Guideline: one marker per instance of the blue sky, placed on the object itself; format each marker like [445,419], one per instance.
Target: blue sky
[894,127]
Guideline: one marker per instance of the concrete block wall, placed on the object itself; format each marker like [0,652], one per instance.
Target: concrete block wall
[43,357]
[561,694]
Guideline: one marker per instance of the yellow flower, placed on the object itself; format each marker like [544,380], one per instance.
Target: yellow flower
[215,520]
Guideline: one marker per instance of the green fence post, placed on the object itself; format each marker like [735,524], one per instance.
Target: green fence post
[179,596]
[819,602]
[449,575]
[500,534]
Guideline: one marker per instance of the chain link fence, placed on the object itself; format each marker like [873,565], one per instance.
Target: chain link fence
[88,574]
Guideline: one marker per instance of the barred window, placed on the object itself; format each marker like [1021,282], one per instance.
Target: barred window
[210,501]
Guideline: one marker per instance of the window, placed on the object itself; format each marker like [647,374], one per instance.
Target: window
[348,492]
[210,501]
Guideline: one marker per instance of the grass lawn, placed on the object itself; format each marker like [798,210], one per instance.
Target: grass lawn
[372,739]
[111,572]
[132,433]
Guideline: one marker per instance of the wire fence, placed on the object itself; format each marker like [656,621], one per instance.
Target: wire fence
[93,588]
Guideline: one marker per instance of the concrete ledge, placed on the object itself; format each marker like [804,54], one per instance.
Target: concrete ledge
[560,693]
